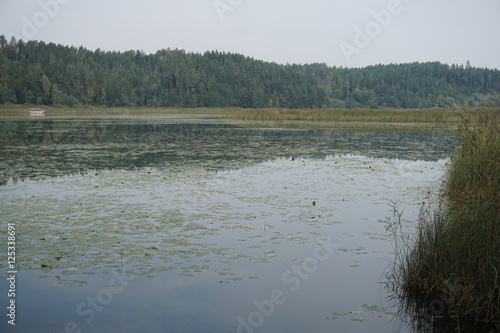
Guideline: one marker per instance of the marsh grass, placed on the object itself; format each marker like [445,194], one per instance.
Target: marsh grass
[367,115]
[422,116]
[454,258]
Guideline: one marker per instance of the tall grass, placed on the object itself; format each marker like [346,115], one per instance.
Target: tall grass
[435,115]
[455,255]
[366,115]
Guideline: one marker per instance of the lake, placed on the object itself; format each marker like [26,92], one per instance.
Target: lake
[183,223]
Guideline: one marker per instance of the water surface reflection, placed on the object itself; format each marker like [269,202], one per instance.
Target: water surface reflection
[215,228]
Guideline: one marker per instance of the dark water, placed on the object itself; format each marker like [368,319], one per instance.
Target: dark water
[37,147]
[187,225]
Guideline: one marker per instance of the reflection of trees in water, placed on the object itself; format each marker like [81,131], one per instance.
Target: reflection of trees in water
[432,316]
[57,147]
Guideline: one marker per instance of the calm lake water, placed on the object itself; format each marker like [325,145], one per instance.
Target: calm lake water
[179,224]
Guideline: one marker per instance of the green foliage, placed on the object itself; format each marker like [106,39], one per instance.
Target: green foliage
[455,256]
[368,115]
[475,171]
[38,73]
[7,95]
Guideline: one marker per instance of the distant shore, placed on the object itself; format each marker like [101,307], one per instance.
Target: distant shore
[427,120]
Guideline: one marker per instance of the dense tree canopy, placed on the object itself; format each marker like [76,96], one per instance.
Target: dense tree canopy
[45,73]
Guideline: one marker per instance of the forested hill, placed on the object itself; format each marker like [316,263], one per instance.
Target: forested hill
[45,73]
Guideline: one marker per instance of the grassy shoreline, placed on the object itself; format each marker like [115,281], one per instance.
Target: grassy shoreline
[453,263]
[360,120]
[455,116]
[440,116]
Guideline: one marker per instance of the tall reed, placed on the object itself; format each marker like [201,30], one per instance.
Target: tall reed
[455,255]
[366,115]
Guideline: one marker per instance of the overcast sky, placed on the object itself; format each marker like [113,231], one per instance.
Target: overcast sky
[353,33]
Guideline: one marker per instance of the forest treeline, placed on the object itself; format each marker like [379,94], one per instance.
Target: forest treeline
[40,73]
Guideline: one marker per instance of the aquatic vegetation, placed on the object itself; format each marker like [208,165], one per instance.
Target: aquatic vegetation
[366,115]
[365,312]
[453,260]
[199,211]
[152,219]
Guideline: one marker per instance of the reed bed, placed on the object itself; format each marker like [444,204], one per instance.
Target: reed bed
[454,258]
[367,115]
[435,115]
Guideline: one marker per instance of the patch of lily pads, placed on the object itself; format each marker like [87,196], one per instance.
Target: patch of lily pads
[364,313]
[150,220]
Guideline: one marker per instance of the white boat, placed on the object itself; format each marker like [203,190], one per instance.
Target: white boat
[35,112]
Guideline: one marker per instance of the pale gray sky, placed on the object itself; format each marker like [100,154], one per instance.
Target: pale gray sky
[351,33]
